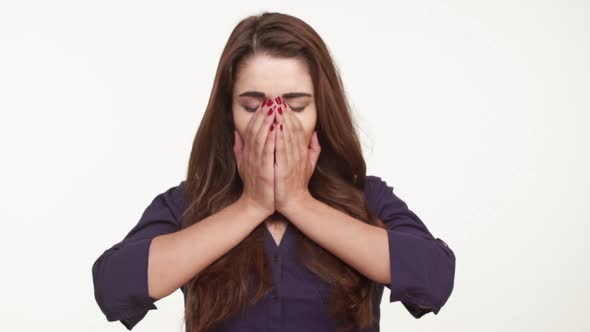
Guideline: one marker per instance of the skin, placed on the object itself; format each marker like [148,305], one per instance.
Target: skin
[274,77]
[262,77]
[296,148]
[176,257]
[172,259]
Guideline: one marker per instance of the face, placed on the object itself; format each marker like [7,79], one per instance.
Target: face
[262,77]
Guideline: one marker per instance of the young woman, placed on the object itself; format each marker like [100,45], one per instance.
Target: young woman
[277,226]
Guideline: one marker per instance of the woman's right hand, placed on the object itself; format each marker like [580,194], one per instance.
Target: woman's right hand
[255,158]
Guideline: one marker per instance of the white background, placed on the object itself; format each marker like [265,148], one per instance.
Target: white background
[476,112]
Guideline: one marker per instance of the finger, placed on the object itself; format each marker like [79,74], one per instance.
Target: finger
[268,156]
[298,133]
[314,151]
[253,128]
[256,121]
[314,143]
[251,123]
[247,139]
[238,148]
[293,151]
[280,148]
[286,136]
[262,134]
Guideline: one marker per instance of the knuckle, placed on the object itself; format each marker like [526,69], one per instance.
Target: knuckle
[258,144]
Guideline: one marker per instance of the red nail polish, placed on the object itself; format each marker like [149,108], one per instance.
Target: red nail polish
[280,110]
[269,102]
[272,127]
[278,100]
[281,126]
[270,111]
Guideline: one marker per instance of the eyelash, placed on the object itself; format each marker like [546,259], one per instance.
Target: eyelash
[253,109]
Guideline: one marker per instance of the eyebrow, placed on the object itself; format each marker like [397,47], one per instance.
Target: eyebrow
[258,94]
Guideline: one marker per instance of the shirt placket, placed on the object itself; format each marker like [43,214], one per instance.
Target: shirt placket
[277,255]
[276,307]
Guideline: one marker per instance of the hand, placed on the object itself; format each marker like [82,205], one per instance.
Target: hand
[296,159]
[255,159]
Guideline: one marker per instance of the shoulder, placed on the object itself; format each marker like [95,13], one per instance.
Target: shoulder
[380,196]
[173,198]
[375,186]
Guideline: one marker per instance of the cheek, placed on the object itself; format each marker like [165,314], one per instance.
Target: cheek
[308,122]
[241,120]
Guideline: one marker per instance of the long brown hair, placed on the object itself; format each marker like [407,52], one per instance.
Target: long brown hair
[213,181]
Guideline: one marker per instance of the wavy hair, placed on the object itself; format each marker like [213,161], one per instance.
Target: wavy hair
[213,182]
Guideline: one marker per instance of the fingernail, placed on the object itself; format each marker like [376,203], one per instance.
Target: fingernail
[272,127]
[270,111]
[281,126]
[269,103]
[280,110]
[278,100]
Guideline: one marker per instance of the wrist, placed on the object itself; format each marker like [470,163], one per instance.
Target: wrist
[296,203]
[253,209]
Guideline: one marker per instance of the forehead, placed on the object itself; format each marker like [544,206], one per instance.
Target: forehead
[273,75]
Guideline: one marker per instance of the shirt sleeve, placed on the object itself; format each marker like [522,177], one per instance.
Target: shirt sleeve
[120,273]
[422,267]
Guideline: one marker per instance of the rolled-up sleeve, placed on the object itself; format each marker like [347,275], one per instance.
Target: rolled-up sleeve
[422,267]
[120,273]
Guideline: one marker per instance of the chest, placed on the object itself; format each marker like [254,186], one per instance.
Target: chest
[276,229]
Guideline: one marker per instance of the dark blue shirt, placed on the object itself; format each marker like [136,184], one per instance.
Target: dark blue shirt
[422,269]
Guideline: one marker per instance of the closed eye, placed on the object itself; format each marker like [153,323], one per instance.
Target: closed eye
[298,109]
[251,109]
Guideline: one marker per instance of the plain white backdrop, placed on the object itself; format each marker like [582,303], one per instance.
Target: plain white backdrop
[476,112]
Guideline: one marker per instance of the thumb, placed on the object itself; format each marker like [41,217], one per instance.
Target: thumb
[314,149]
[238,146]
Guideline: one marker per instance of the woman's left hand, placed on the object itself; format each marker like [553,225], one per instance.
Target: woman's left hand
[295,159]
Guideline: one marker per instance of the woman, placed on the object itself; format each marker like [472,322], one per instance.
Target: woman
[277,226]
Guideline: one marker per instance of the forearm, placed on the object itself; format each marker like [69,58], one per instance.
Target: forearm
[177,257]
[362,246]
